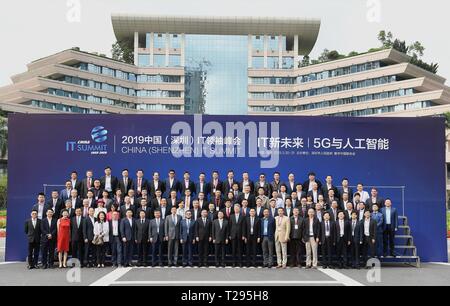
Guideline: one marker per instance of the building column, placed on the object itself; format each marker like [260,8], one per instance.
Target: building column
[167,48]
[280,51]
[296,55]
[136,48]
[250,52]
[182,51]
[266,48]
[151,47]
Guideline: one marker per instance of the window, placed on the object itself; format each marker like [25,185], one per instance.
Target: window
[288,62]
[175,42]
[159,60]
[174,60]
[272,62]
[258,62]
[258,43]
[273,43]
[144,60]
[159,41]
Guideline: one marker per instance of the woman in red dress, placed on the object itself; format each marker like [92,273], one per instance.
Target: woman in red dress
[63,238]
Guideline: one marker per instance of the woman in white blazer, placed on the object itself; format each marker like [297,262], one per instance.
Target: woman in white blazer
[101,230]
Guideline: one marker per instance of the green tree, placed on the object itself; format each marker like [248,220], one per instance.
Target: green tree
[386,38]
[122,51]
[305,61]
[3,134]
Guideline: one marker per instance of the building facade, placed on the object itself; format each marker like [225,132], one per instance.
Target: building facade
[225,65]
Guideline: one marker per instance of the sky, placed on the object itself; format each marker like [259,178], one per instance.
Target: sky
[33,29]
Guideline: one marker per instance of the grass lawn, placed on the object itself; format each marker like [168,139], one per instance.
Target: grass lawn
[448,220]
[3,213]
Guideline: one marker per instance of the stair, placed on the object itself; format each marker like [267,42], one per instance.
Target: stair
[405,250]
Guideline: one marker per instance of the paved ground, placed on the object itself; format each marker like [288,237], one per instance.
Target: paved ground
[428,274]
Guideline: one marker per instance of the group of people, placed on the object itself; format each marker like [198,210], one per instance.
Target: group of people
[234,220]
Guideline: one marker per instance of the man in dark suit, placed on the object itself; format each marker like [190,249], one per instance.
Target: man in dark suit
[125,183]
[228,184]
[65,193]
[202,201]
[187,184]
[141,230]
[75,182]
[187,238]
[390,217]
[156,234]
[88,235]
[87,183]
[55,203]
[262,183]
[196,210]
[127,233]
[314,192]
[355,241]
[212,212]
[369,234]
[327,240]
[76,235]
[228,210]
[246,181]
[33,232]
[217,200]
[247,195]
[70,209]
[203,237]
[237,229]
[252,230]
[290,184]
[156,184]
[343,236]
[220,234]
[348,211]
[172,200]
[145,208]
[141,183]
[97,191]
[267,238]
[172,235]
[115,240]
[327,186]
[127,206]
[171,183]
[307,185]
[108,182]
[374,199]
[41,206]
[163,208]
[296,235]
[346,189]
[215,183]
[276,183]
[202,185]
[48,239]
[259,209]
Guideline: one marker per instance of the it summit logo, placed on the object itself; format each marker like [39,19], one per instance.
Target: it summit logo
[96,145]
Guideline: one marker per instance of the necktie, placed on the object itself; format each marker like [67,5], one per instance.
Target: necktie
[328,227]
[204,222]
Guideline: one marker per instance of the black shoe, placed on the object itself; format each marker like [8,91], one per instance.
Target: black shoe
[45,267]
[324,267]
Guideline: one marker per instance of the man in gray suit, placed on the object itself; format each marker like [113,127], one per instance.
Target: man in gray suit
[220,233]
[172,232]
[156,235]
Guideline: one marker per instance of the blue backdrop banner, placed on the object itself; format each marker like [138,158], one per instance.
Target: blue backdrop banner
[404,157]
